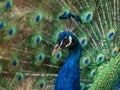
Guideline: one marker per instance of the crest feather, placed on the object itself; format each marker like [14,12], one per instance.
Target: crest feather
[69,26]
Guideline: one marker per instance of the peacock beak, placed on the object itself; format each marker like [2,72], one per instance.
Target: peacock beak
[56,49]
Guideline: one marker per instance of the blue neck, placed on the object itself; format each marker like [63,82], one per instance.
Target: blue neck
[77,50]
[69,75]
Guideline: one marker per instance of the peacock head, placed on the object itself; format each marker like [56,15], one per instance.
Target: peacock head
[66,39]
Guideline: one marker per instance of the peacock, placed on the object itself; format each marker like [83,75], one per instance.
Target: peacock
[59,45]
[70,72]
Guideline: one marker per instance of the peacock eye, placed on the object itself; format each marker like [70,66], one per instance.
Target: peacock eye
[66,41]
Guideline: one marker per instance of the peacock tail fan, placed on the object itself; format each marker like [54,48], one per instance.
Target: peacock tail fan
[29,30]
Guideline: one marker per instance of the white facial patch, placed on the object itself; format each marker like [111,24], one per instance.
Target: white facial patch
[70,41]
[61,43]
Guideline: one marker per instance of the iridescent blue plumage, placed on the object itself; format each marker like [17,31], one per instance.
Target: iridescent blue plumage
[70,15]
[2,25]
[69,75]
